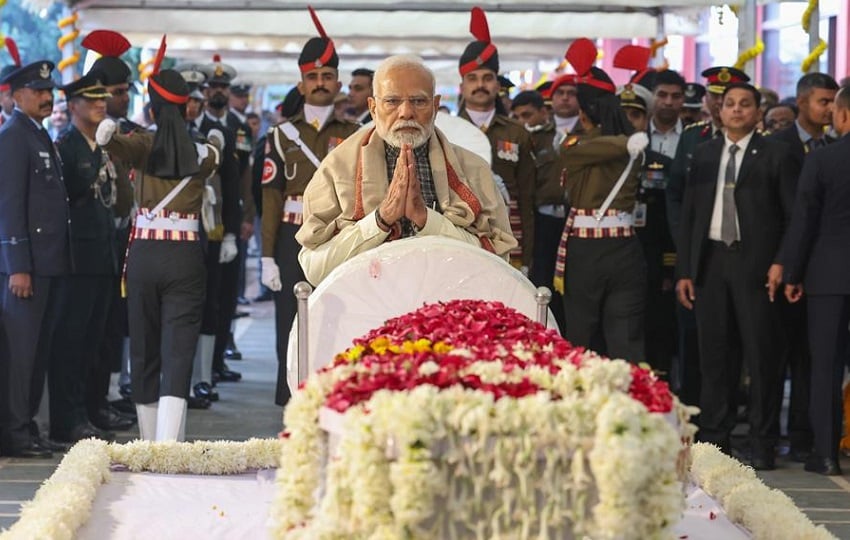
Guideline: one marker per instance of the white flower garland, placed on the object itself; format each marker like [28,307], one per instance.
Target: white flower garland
[767,513]
[63,503]
[487,463]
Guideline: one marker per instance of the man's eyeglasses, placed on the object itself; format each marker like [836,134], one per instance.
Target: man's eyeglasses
[419,103]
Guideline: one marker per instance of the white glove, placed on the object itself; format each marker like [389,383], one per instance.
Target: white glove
[216,138]
[105,131]
[271,274]
[636,144]
[228,249]
[503,189]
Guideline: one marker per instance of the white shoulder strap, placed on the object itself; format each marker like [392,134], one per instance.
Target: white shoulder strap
[170,197]
[293,135]
[599,214]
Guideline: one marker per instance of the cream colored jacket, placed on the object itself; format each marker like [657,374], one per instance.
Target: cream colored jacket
[340,202]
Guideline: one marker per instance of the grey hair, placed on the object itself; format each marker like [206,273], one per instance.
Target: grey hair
[402,61]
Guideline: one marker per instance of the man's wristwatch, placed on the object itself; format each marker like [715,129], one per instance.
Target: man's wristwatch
[381,221]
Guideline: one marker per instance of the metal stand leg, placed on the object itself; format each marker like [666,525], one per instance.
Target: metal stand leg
[543,296]
[302,292]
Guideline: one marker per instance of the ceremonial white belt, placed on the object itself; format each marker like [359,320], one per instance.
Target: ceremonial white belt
[293,207]
[622,219]
[166,223]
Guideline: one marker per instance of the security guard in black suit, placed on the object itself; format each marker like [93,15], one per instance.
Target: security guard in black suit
[685,376]
[815,95]
[85,294]
[816,262]
[34,254]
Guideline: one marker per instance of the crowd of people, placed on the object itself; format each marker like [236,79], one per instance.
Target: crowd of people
[678,223]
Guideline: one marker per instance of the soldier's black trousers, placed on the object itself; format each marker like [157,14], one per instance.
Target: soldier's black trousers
[83,307]
[26,334]
[165,286]
[285,305]
[605,288]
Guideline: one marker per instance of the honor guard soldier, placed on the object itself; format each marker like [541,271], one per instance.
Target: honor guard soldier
[294,150]
[115,74]
[235,182]
[602,274]
[165,266]
[692,109]
[511,144]
[685,372]
[34,255]
[85,294]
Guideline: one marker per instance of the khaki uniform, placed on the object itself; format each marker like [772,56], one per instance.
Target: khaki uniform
[287,170]
[165,277]
[605,274]
[286,173]
[512,160]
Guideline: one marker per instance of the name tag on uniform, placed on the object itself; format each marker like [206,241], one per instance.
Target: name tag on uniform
[507,150]
[640,214]
[46,157]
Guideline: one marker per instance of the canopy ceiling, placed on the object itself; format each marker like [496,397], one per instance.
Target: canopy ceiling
[262,38]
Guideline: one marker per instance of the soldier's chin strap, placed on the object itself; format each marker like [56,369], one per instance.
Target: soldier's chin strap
[635,145]
[293,135]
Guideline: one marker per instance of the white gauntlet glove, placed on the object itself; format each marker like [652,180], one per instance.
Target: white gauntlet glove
[636,144]
[105,131]
[228,249]
[271,274]
[216,138]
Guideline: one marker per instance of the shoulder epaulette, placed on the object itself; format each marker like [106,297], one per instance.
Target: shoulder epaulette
[696,125]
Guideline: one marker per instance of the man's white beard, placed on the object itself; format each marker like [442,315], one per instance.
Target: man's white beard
[415,139]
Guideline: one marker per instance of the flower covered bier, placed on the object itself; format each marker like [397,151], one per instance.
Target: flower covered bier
[465,419]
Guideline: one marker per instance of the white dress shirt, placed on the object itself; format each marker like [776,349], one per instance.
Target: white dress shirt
[717,214]
[481,119]
[665,142]
[565,124]
[317,115]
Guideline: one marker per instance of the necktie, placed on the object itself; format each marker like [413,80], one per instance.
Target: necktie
[315,124]
[728,230]
[813,143]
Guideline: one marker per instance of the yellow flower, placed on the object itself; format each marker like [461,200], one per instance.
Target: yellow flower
[380,345]
[420,345]
[442,348]
[354,353]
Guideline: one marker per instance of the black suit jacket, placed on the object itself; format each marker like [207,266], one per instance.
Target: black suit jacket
[764,193]
[816,249]
[33,204]
[796,151]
